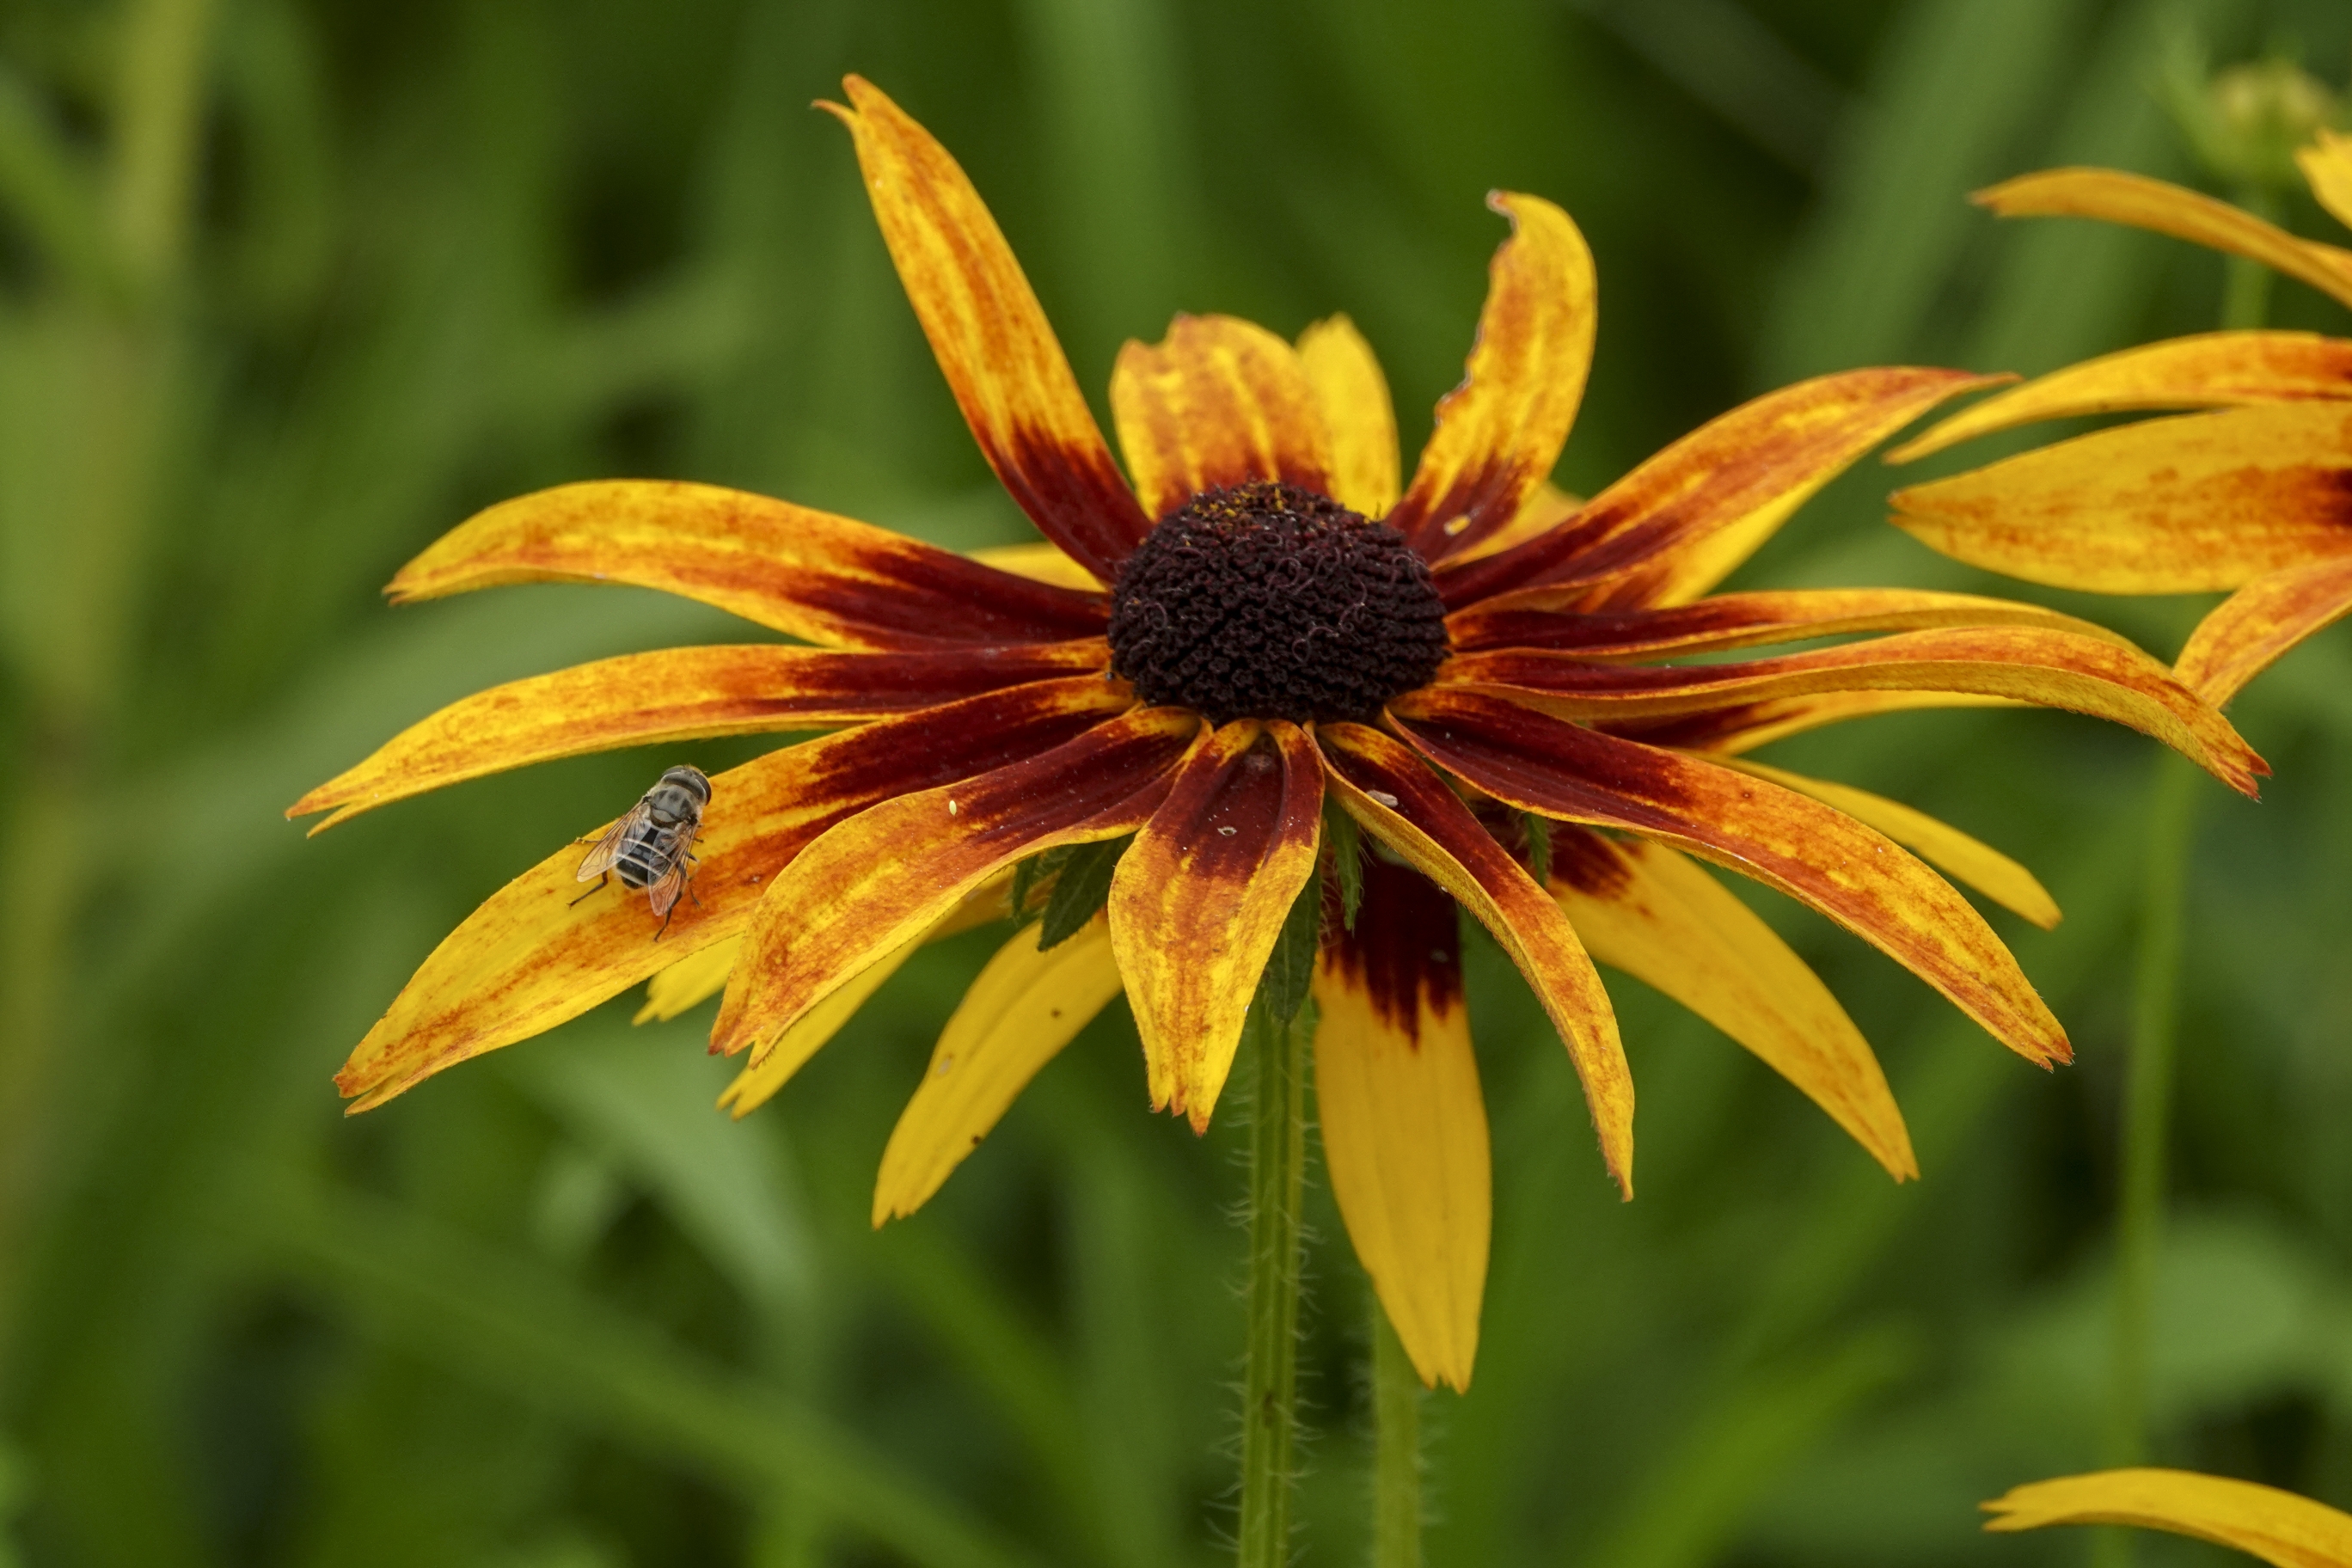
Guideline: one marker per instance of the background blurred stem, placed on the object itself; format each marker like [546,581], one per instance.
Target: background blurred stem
[1396,1463]
[1270,1384]
[2146,1122]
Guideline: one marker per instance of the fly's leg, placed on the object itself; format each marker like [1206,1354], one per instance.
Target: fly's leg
[597,889]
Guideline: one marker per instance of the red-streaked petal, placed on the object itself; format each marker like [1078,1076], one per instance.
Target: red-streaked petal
[1405,1125]
[1040,561]
[2212,369]
[1654,914]
[1219,401]
[1405,806]
[1738,477]
[1967,860]
[1744,726]
[880,879]
[2113,197]
[2276,1526]
[674,695]
[994,342]
[1200,897]
[1854,875]
[1499,433]
[536,953]
[2166,506]
[1358,414]
[1546,507]
[1024,1007]
[2327,165]
[1548,618]
[2103,678]
[2254,627]
[806,572]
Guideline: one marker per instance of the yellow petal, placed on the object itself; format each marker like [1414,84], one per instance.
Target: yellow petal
[1042,561]
[1358,414]
[1405,1125]
[2326,164]
[695,978]
[1664,920]
[1977,864]
[1218,402]
[991,336]
[2258,624]
[1405,804]
[1499,433]
[2211,370]
[2277,1527]
[774,1067]
[1024,1007]
[2166,506]
[1200,897]
[2116,197]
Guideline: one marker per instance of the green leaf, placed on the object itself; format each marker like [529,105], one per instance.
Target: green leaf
[1083,888]
[1036,869]
[1347,848]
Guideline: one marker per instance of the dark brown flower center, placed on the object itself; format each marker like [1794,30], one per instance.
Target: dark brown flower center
[1266,601]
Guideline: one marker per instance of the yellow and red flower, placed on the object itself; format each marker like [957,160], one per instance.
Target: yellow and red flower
[2254,496]
[1209,661]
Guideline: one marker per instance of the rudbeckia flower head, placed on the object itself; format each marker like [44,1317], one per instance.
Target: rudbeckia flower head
[1257,679]
[2249,495]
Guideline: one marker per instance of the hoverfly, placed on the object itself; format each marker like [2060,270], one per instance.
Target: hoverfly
[653,843]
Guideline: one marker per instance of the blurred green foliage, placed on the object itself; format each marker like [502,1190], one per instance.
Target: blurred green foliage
[289,287]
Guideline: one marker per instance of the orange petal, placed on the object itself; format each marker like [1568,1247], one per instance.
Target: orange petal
[2113,197]
[2212,369]
[1499,433]
[1410,809]
[2275,1526]
[1405,1126]
[1737,478]
[2098,676]
[999,353]
[537,953]
[2259,623]
[1549,618]
[1666,921]
[1219,401]
[2326,164]
[1200,897]
[2165,506]
[804,572]
[1358,414]
[1942,846]
[810,1033]
[1040,561]
[881,877]
[674,695]
[1024,1007]
[1546,507]
[698,979]
[1821,858]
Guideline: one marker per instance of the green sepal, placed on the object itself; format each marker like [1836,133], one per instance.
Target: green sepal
[1539,835]
[1083,888]
[1282,988]
[1347,860]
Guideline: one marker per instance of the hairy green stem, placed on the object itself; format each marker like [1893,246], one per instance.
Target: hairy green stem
[1270,1384]
[1396,1437]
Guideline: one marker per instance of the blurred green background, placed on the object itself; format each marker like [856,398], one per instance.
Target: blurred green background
[290,287]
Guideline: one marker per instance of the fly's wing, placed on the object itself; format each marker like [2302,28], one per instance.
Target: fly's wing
[607,850]
[664,890]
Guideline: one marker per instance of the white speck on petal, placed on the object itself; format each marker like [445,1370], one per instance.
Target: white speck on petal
[1227,832]
[1383,797]
[952,806]
[941,1071]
